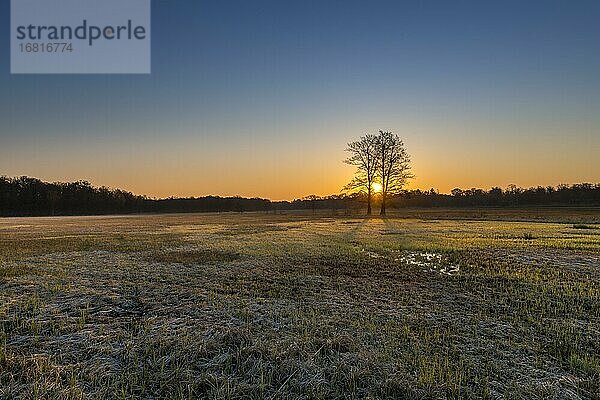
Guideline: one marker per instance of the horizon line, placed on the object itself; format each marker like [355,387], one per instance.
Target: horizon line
[504,189]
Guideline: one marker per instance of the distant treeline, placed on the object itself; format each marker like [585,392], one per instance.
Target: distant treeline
[30,196]
[25,196]
[578,194]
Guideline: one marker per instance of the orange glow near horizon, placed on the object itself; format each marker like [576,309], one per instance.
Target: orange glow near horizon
[303,162]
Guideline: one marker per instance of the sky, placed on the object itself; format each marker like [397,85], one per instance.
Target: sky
[259,98]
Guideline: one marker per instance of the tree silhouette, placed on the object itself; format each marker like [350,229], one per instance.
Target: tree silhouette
[312,198]
[394,166]
[25,196]
[364,156]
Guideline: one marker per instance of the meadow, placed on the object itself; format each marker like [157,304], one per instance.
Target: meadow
[423,304]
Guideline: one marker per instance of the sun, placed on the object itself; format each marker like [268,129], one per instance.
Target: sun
[377,187]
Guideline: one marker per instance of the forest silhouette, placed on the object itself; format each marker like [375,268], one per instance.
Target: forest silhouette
[26,196]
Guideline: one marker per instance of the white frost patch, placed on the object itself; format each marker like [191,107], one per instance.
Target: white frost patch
[432,262]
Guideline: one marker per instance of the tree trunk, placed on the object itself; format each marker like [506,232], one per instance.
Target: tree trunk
[382,212]
[369,202]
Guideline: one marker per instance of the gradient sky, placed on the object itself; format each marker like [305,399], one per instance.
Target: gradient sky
[259,98]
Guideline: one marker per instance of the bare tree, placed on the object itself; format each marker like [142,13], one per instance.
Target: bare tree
[364,156]
[393,165]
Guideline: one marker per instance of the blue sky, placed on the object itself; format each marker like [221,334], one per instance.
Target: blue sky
[260,97]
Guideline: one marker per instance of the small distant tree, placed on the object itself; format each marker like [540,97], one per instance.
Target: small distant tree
[363,156]
[312,198]
[393,166]
[53,198]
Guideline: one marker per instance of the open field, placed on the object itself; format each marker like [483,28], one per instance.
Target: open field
[458,304]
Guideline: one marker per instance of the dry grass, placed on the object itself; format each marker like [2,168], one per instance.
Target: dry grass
[295,306]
